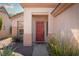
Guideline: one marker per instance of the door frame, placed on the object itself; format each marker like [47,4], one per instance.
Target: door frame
[34,28]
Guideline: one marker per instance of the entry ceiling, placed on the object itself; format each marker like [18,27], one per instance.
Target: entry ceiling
[58,7]
[39,5]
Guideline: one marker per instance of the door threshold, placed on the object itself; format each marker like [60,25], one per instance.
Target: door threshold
[40,42]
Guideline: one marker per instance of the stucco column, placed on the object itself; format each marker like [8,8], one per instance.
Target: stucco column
[27,41]
[50,25]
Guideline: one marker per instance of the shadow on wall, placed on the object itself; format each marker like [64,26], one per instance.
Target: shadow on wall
[70,36]
[75,33]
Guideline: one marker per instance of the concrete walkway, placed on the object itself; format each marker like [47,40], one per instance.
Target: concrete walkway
[40,50]
[19,48]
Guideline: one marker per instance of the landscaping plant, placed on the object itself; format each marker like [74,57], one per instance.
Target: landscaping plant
[16,39]
[61,48]
[7,51]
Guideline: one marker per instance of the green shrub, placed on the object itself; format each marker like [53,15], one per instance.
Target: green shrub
[16,39]
[7,51]
[0,22]
[61,48]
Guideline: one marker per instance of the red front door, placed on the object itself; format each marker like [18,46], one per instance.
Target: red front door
[39,31]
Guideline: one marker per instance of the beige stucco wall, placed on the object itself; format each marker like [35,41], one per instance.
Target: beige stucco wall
[66,25]
[28,12]
[5,31]
[50,25]
[15,19]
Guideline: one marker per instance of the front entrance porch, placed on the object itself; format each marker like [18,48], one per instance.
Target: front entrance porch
[34,32]
[39,28]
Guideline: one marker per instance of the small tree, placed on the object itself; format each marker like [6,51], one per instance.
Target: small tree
[0,22]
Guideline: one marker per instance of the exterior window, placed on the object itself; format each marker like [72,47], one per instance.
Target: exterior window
[20,30]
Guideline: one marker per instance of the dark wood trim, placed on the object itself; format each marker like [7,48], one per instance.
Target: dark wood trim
[55,8]
[61,8]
